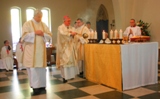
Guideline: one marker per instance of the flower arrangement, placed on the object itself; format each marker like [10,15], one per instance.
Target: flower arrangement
[144,27]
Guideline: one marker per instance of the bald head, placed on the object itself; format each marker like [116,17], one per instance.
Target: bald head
[38,15]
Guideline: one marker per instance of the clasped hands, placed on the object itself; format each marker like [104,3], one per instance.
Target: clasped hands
[39,32]
[72,33]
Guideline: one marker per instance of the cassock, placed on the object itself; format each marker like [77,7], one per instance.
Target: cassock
[7,58]
[19,53]
[66,55]
[34,56]
[79,42]
[136,31]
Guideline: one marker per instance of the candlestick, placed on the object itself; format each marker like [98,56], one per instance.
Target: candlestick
[103,34]
[120,34]
[111,34]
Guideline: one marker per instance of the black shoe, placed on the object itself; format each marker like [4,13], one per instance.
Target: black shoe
[64,81]
[36,91]
[81,73]
[42,88]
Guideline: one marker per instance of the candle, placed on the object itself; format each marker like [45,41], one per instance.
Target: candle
[120,34]
[115,34]
[92,35]
[111,34]
[103,34]
[95,35]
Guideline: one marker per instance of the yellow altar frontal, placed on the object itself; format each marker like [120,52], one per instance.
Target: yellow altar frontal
[103,64]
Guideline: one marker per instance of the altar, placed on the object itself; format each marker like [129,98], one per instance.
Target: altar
[122,67]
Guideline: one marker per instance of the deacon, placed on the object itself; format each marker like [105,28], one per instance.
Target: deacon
[80,40]
[66,55]
[35,35]
[7,56]
[132,30]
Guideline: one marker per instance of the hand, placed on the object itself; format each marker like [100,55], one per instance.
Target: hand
[131,32]
[73,33]
[39,32]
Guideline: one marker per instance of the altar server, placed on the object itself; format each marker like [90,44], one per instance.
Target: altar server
[81,30]
[7,56]
[66,55]
[35,34]
[132,30]
[19,53]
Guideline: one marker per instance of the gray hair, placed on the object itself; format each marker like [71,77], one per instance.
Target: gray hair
[37,12]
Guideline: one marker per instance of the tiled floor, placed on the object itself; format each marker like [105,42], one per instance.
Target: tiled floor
[14,85]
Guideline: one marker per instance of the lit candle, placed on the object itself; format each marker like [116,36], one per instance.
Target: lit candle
[120,34]
[115,34]
[95,35]
[111,34]
[103,34]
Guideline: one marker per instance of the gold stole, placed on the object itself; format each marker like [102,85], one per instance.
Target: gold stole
[44,53]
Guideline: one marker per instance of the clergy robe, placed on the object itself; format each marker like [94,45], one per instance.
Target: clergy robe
[79,42]
[34,56]
[19,53]
[136,31]
[7,58]
[66,56]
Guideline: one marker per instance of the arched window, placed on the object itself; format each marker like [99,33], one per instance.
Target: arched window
[15,25]
[29,13]
[46,17]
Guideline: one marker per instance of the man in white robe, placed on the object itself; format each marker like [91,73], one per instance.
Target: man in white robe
[132,30]
[35,35]
[88,24]
[7,56]
[19,53]
[66,56]
[79,43]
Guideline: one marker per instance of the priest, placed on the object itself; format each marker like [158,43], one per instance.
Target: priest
[35,35]
[132,30]
[7,56]
[66,55]
[80,40]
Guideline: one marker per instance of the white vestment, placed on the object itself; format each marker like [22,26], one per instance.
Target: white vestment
[136,31]
[79,41]
[7,58]
[34,56]
[19,53]
[66,56]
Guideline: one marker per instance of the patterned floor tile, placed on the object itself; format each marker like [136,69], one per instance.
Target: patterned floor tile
[56,81]
[113,95]
[4,89]
[60,87]
[88,97]
[96,89]
[155,87]
[5,83]
[4,79]
[70,94]
[139,92]
[84,83]
[151,96]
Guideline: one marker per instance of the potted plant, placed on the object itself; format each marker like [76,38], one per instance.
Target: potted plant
[144,27]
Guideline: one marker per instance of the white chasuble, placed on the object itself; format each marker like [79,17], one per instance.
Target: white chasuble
[66,55]
[34,45]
